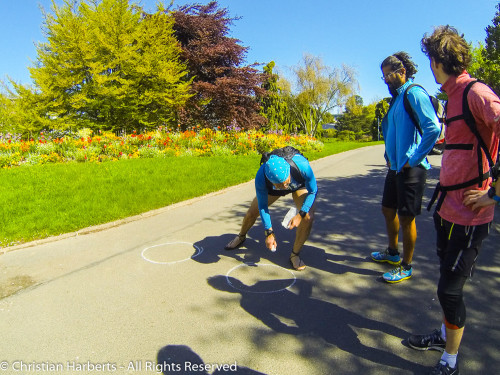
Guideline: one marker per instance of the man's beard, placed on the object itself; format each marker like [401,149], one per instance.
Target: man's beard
[392,90]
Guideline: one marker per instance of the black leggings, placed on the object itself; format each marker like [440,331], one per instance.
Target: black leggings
[458,247]
[450,294]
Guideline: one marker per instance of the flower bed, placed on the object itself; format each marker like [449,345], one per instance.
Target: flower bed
[84,146]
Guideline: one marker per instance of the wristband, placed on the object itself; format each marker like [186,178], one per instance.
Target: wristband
[493,195]
[302,214]
[268,232]
[491,192]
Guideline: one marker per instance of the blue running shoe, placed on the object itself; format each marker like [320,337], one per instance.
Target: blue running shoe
[397,275]
[384,256]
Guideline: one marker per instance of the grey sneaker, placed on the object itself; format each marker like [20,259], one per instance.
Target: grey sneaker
[443,368]
[236,242]
[432,341]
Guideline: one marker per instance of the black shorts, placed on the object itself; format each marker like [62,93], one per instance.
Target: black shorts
[282,193]
[403,191]
[458,246]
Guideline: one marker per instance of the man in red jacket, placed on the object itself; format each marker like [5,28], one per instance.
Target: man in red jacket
[465,206]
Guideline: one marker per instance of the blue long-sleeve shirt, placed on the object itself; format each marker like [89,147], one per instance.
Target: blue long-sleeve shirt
[403,142]
[310,184]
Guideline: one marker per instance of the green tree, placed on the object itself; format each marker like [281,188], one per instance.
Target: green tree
[357,118]
[319,90]
[5,114]
[485,64]
[354,104]
[22,111]
[491,53]
[328,118]
[381,108]
[290,123]
[478,63]
[441,95]
[273,104]
[108,65]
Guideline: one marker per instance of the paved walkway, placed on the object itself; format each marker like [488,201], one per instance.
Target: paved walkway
[160,289]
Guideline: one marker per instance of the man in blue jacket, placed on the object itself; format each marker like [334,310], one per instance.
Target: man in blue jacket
[276,178]
[405,151]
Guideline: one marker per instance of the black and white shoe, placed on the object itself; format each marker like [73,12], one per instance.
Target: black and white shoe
[432,341]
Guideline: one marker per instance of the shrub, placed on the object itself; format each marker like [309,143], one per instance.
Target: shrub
[346,135]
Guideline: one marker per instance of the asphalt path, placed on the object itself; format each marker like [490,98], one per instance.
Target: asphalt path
[158,293]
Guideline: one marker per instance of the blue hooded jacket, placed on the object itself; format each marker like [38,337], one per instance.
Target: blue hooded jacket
[403,142]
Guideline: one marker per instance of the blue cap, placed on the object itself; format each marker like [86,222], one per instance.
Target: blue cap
[277,169]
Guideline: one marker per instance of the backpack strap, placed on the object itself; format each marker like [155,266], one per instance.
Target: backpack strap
[409,109]
[468,117]
[471,123]
[295,172]
[444,189]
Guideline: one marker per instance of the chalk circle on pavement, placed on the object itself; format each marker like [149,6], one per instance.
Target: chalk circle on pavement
[171,252]
[260,278]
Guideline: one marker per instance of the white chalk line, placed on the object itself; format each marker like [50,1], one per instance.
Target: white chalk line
[199,250]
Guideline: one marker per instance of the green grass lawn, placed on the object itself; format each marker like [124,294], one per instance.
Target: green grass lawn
[46,200]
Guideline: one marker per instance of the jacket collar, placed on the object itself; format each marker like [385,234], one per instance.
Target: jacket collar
[403,87]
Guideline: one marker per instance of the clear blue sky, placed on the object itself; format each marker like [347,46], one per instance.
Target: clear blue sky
[358,33]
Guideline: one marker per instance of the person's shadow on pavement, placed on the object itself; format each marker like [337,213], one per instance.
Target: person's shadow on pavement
[252,252]
[181,359]
[315,317]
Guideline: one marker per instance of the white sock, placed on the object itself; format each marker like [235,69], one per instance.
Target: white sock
[451,359]
[443,332]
